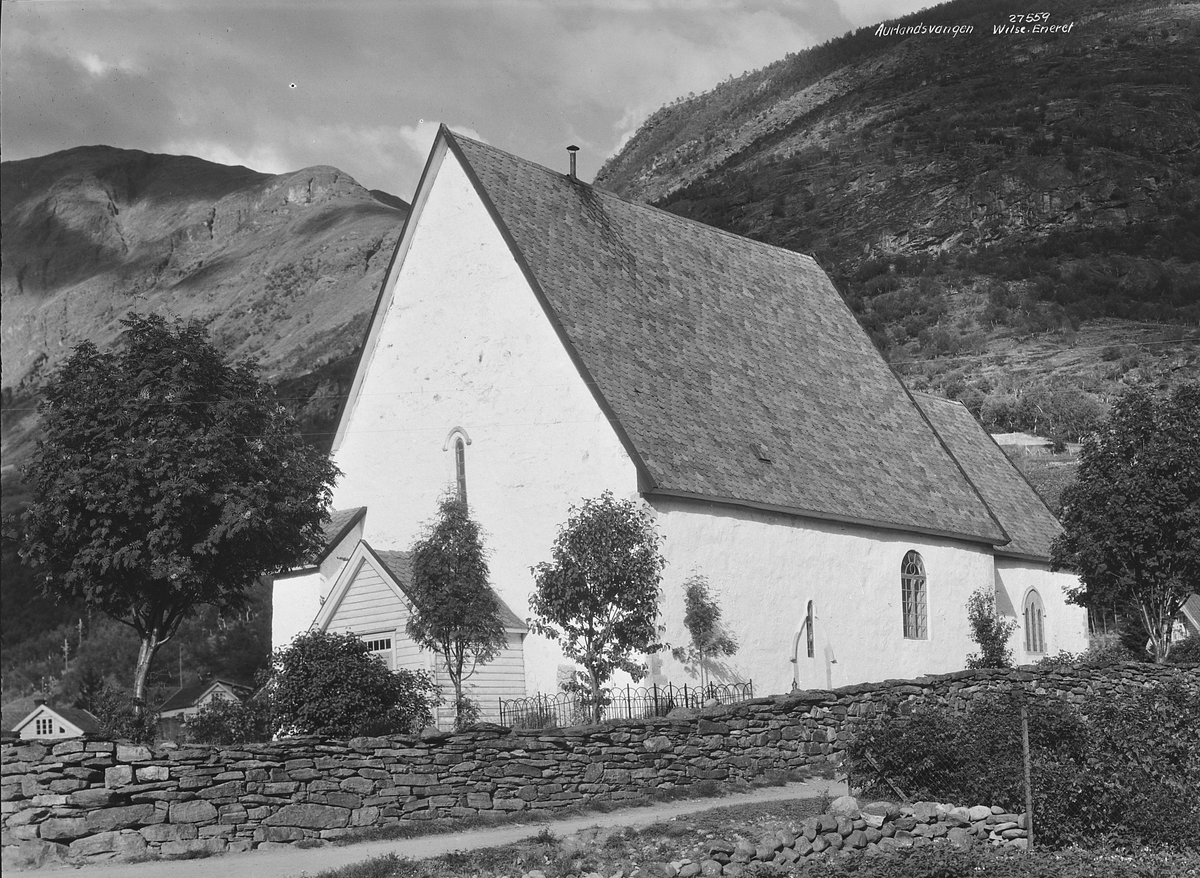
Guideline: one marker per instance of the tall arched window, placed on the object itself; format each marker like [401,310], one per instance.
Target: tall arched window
[460,442]
[460,468]
[913,600]
[1035,623]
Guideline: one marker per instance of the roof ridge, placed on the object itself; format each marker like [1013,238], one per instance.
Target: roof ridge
[642,205]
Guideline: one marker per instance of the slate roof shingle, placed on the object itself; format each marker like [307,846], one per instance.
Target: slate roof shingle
[1029,523]
[399,565]
[708,348]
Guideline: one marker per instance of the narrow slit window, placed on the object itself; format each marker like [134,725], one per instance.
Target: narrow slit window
[460,468]
[913,597]
[808,627]
[1035,624]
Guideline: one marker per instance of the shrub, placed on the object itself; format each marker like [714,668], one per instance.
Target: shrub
[332,684]
[1186,651]
[225,721]
[989,631]
[120,720]
[1126,768]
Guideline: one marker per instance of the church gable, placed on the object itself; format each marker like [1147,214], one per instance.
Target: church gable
[733,368]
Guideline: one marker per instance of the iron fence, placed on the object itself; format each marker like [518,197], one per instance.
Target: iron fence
[631,702]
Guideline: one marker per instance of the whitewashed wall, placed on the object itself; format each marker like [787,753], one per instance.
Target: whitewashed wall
[1065,624]
[463,342]
[765,567]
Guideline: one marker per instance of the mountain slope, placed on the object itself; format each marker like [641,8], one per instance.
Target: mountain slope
[973,195]
[285,268]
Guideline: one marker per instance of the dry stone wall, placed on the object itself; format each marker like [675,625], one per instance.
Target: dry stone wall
[81,800]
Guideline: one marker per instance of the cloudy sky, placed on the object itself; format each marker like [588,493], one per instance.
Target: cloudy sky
[362,84]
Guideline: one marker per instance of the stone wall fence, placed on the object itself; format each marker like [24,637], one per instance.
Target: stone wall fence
[84,800]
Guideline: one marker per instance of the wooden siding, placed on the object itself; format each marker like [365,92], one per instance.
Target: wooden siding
[370,607]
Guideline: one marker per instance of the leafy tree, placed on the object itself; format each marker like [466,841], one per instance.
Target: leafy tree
[332,684]
[168,479]
[989,631]
[599,594]
[455,613]
[702,618]
[1132,518]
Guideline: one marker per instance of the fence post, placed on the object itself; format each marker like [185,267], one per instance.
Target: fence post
[628,704]
[1028,772]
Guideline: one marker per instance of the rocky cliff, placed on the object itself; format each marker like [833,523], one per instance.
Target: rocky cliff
[284,268]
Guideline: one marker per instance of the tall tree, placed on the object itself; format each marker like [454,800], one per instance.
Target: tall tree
[599,594]
[702,619]
[167,479]
[455,613]
[1132,518]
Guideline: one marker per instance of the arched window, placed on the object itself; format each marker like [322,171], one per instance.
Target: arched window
[460,468]
[461,441]
[913,600]
[1035,623]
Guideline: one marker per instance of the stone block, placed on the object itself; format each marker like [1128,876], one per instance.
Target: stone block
[163,832]
[125,817]
[278,833]
[133,753]
[196,811]
[310,816]
[63,828]
[118,776]
[33,855]
[152,773]
[126,845]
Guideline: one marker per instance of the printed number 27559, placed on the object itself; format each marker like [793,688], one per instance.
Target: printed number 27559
[1030,18]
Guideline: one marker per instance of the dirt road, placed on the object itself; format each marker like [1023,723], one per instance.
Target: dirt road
[294,863]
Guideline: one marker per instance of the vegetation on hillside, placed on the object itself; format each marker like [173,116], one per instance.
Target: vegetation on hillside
[976,199]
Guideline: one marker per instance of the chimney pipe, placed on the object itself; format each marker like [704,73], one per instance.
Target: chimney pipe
[572,149]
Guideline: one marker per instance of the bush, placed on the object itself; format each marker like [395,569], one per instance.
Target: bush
[120,721]
[332,684]
[225,721]
[1186,651]
[1127,768]
[989,631]
[942,861]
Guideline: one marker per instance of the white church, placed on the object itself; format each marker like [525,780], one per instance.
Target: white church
[538,341]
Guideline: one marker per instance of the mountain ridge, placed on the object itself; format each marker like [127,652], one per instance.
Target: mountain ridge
[976,198]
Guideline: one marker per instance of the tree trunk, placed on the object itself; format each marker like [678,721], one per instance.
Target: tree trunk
[597,708]
[146,652]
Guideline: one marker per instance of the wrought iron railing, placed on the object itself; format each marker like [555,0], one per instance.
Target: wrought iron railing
[631,702]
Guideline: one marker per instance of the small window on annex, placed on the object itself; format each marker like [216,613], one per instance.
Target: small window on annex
[381,645]
[913,600]
[43,726]
[1035,624]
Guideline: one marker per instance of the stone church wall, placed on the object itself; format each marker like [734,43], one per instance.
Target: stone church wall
[82,800]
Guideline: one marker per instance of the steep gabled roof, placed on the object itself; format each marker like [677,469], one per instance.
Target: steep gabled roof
[1014,503]
[399,565]
[188,696]
[78,717]
[398,568]
[731,369]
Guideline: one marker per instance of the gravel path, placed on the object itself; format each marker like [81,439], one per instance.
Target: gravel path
[293,863]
